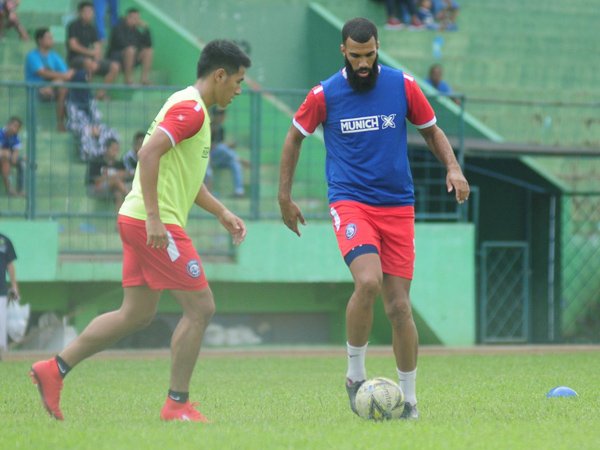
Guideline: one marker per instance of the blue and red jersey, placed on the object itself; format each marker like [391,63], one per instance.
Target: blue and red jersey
[365,135]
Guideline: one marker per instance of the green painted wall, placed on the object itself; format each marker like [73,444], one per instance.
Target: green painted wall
[277,271]
[36,245]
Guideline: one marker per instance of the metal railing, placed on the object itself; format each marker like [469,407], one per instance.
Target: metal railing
[256,122]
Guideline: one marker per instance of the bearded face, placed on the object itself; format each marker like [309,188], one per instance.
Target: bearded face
[362,79]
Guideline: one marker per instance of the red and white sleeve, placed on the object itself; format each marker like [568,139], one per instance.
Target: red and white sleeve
[182,121]
[420,113]
[312,112]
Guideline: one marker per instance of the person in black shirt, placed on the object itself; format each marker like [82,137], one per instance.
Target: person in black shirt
[131,44]
[7,258]
[84,48]
[106,175]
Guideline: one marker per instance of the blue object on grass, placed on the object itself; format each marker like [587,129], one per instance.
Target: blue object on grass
[561,391]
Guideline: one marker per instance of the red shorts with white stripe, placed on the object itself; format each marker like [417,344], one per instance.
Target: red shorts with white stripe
[386,230]
[176,267]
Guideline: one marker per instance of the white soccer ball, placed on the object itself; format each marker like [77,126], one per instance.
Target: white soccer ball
[379,399]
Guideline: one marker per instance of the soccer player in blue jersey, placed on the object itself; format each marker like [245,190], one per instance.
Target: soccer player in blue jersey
[362,109]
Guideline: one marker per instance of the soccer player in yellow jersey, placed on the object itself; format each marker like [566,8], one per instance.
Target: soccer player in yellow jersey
[157,253]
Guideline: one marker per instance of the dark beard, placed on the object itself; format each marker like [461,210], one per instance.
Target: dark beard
[360,84]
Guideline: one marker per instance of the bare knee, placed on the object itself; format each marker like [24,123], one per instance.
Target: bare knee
[367,288]
[137,320]
[199,308]
[398,310]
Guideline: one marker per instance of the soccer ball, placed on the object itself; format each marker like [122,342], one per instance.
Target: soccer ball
[379,399]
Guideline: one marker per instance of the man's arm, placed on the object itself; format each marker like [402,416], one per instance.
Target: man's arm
[149,162]
[52,75]
[232,223]
[76,47]
[440,146]
[290,212]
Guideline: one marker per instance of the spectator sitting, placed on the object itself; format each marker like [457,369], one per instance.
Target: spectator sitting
[84,120]
[84,48]
[100,13]
[43,64]
[9,18]
[426,15]
[130,159]
[222,154]
[106,175]
[435,79]
[131,44]
[397,10]
[445,13]
[10,144]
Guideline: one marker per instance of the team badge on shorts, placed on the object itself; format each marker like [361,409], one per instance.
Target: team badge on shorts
[193,268]
[350,231]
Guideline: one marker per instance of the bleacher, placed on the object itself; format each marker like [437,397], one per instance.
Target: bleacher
[543,61]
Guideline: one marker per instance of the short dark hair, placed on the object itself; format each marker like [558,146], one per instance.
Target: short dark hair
[139,135]
[359,29]
[110,141]
[132,10]
[39,34]
[12,119]
[221,53]
[82,5]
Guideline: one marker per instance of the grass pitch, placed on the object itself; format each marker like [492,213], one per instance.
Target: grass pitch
[259,401]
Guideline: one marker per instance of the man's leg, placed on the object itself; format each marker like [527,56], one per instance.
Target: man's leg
[198,308]
[366,271]
[405,339]
[136,312]
[21,166]
[5,170]
[128,58]
[146,56]
[61,96]
[99,17]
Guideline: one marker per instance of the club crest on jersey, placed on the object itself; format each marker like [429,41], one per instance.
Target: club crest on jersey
[350,231]
[193,268]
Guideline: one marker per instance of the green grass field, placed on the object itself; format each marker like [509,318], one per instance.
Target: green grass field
[267,401]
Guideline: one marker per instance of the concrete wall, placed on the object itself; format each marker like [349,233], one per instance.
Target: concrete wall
[276,271]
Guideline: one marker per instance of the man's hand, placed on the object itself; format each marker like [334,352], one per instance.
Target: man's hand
[13,295]
[156,233]
[455,180]
[233,224]
[291,214]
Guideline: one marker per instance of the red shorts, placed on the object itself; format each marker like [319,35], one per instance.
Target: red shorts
[176,267]
[389,229]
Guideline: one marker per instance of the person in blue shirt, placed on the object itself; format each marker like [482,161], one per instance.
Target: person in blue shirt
[435,80]
[45,65]
[10,144]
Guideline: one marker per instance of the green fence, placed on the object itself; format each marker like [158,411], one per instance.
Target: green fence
[256,124]
[580,267]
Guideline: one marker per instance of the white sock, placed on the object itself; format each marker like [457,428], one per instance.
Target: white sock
[407,382]
[356,362]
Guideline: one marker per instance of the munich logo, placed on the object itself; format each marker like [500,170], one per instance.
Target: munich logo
[359,124]
[350,231]
[193,268]
[388,121]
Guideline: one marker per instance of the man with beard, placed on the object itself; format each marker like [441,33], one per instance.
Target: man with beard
[363,108]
